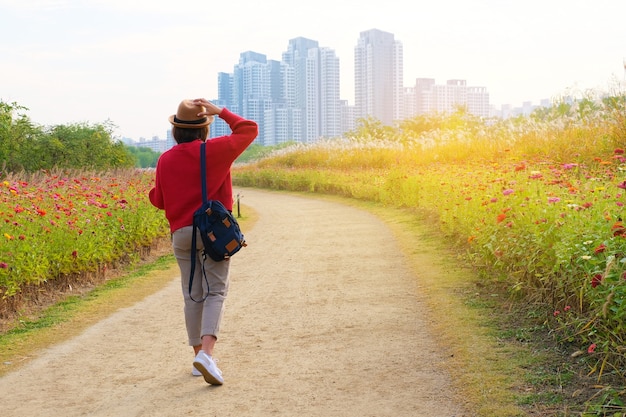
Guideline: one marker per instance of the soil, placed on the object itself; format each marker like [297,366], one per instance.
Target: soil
[324,318]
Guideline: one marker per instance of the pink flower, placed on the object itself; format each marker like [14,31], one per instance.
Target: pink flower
[553,200]
[622,185]
[591,348]
[508,191]
[4,265]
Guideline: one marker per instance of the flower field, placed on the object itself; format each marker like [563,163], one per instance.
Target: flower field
[538,203]
[57,223]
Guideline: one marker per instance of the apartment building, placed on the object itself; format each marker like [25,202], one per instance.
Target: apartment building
[430,97]
[295,99]
[378,76]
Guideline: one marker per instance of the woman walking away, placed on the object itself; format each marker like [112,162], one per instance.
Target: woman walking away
[178,191]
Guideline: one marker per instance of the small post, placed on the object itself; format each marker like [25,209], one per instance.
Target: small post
[238,206]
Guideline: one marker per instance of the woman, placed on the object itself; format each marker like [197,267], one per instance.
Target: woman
[178,191]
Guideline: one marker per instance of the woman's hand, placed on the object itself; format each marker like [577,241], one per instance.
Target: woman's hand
[211,109]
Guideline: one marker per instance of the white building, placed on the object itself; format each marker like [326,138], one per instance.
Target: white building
[378,76]
[449,97]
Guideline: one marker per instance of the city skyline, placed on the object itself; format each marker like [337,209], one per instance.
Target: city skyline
[132,62]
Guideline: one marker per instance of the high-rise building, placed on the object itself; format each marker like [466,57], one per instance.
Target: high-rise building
[478,101]
[423,93]
[316,86]
[296,99]
[224,99]
[378,76]
[347,117]
[330,100]
[251,89]
[449,97]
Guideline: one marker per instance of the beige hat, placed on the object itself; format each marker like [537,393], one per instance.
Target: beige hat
[187,116]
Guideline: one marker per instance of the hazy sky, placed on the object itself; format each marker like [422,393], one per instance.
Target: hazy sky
[133,61]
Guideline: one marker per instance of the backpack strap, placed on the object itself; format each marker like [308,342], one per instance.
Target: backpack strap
[194,251]
[203,170]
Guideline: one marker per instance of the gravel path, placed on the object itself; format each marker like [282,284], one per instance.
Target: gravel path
[323,319]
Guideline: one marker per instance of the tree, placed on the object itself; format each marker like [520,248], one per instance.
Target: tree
[144,157]
[17,134]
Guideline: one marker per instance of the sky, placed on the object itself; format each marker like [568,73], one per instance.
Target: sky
[131,62]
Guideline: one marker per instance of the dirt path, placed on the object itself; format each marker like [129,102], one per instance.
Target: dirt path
[323,319]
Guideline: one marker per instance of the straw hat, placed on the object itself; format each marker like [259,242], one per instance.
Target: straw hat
[187,116]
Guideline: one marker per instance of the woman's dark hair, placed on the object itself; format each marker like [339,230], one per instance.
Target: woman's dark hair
[182,135]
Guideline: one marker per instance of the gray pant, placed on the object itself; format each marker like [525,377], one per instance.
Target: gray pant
[200,318]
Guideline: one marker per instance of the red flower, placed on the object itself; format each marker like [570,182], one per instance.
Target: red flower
[618,229]
[591,348]
[600,248]
[622,185]
[4,265]
[500,217]
[618,151]
[596,280]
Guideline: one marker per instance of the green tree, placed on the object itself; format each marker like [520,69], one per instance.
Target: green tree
[85,146]
[25,146]
[144,157]
[17,135]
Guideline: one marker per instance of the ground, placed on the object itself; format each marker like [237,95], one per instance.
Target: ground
[324,318]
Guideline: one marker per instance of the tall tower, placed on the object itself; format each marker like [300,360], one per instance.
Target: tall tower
[316,88]
[251,89]
[224,99]
[330,107]
[378,76]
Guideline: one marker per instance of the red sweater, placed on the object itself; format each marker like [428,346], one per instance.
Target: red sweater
[178,186]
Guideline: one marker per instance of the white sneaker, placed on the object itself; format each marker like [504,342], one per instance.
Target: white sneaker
[195,372]
[207,367]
